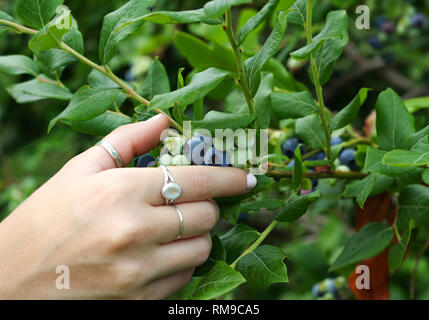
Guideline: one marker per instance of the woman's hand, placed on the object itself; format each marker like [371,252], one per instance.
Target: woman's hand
[110,228]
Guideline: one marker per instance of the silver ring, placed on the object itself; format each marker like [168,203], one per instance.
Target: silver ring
[170,190]
[180,214]
[113,153]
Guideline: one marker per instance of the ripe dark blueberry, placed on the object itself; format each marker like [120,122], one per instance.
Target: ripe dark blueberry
[144,161]
[347,158]
[316,291]
[243,217]
[290,145]
[194,149]
[379,21]
[418,20]
[129,75]
[330,286]
[388,27]
[208,141]
[375,42]
[217,158]
[336,140]
[317,157]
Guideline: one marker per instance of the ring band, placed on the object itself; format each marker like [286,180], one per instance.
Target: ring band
[170,190]
[113,153]
[180,214]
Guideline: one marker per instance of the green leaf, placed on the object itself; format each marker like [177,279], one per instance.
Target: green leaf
[267,204]
[263,101]
[216,8]
[257,20]
[296,207]
[283,78]
[86,104]
[414,205]
[4,16]
[36,13]
[371,240]
[297,169]
[52,34]
[293,105]
[331,48]
[382,183]
[299,12]
[55,59]
[219,281]
[230,211]
[237,240]
[349,113]
[373,163]
[201,56]
[254,65]
[221,120]
[285,5]
[395,125]
[263,267]
[156,81]
[16,65]
[176,17]
[114,31]
[101,125]
[416,104]
[405,158]
[97,80]
[367,189]
[425,176]
[218,253]
[335,29]
[198,110]
[310,130]
[36,90]
[201,84]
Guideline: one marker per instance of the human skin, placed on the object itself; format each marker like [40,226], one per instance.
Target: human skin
[111,228]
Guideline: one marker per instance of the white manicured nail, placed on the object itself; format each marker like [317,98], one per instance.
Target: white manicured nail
[251,181]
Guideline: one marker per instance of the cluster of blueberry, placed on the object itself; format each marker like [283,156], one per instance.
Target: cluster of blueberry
[199,150]
[387,27]
[329,289]
[345,162]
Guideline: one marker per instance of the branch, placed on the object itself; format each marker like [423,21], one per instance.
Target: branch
[104,70]
[242,79]
[319,91]
[319,175]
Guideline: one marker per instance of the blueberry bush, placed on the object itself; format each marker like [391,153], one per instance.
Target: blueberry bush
[338,190]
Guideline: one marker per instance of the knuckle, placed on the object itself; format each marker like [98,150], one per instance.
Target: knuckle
[126,275]
[123,234]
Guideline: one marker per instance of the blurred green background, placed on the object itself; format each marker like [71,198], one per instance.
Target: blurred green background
[393,53]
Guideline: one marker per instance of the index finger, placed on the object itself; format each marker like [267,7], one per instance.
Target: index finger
[198,183]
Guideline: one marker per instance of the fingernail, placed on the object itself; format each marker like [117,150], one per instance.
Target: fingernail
[251,181]
[155,117]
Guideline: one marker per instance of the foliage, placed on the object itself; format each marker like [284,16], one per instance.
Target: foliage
[245,68]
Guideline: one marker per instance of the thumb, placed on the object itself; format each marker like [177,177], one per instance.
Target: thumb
[129,141]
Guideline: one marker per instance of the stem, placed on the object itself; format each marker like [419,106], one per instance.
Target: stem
[319,91]
[242,79]
[257,242]
[319,175]
[104,70]
[18,27]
